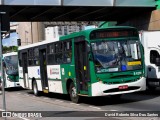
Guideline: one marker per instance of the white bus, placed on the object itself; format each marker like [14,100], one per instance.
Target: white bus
[10,67]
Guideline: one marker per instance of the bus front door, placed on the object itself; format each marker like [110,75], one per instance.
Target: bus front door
[43,70]
[25,69]
[81,66]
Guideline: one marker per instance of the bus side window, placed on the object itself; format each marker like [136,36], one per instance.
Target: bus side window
[67,57]
[36,56]
[58,58]
[30,57]
[67,53]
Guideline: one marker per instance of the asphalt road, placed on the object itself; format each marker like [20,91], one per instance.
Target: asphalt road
[59,107]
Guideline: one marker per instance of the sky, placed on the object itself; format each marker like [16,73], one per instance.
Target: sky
[11,41]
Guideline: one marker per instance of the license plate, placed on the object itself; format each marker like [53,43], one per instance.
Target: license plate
[123,87]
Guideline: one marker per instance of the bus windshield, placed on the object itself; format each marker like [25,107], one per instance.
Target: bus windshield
[11,64]
[114,56]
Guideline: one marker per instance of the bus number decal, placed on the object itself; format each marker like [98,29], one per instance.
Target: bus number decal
[134,63]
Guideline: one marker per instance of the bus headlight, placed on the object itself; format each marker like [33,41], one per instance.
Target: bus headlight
[9,79]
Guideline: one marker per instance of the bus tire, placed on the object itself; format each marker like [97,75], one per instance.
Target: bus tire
[35,88]
[72,92]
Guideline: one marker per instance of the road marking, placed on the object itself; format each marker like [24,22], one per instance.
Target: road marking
[26,95]
[95,107]
[54,102]
[58,100]
[74,104]
[46,98]
[113,110]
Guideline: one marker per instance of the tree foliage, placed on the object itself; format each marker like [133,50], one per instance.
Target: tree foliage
[7,49]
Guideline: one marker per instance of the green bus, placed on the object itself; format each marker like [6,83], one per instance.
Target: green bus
[10,70]
[95,62]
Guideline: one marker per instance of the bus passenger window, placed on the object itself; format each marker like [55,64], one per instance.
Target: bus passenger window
[58,58]
[67,57]
[36,61]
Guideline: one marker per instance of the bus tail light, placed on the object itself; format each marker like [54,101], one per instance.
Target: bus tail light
[123,87]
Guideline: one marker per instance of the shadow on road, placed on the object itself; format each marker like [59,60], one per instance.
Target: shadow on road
[126,98]
[107,100]
[13,89]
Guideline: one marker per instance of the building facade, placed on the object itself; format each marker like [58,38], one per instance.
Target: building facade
[57,31]
[30,32]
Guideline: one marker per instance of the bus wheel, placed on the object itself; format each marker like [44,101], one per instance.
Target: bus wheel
[73,94]
[35,89]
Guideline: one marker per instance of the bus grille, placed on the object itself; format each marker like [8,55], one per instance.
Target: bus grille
[118,90]
[120,82]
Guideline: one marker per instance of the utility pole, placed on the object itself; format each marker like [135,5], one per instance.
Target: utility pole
[4,28]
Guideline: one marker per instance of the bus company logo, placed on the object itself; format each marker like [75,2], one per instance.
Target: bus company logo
[54,71]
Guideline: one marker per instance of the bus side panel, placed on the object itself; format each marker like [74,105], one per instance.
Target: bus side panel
[67,72]
[93,78]
[54,78]
[34,72]
[55,86]
[21,79]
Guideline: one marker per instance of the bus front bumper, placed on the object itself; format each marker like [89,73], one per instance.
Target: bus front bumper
[101,89]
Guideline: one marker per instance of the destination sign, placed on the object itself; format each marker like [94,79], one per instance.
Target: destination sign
[97,34]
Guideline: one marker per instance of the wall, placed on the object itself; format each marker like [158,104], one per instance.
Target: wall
[30,32]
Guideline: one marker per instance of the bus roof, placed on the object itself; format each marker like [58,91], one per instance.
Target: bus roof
[10,53]
[37,44]
[75,34]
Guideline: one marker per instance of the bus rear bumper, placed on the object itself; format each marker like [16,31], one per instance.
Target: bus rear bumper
[12,84]
[101,89]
